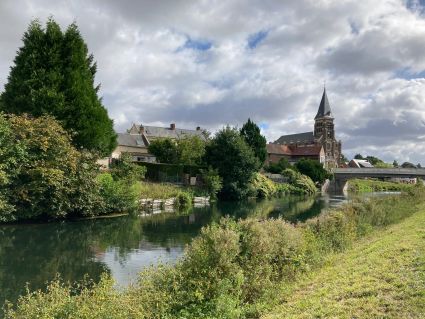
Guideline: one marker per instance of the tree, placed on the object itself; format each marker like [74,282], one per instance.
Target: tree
[234,160]
[395,163]
[408,165]
[419,165]
[53,74]
[312,169]
[191,150]
[358,156]
[344,159]
[251,133]
[277,168]
[165,150]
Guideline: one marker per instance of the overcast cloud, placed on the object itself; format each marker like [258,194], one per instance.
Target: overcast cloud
[210,63]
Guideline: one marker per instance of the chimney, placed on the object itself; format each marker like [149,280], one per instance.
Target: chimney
[198,128]
[173,126]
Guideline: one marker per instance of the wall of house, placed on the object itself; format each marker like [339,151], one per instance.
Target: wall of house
[129,149]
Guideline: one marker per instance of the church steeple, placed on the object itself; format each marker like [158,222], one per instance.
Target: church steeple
[324,107]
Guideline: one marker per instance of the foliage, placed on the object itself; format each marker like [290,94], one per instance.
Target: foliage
[213,182]
[234,160]
[165,150]
[118,195]
[191,150]
[183,200]
[312,169]
[162,190]
[358,156]
[408,165]
[252,135]
[233,269]
[43,175]
[395,163]
[301,184]
[124,169]
[263,186]
[277,168]
[53,74]
[383,165]
[371,185]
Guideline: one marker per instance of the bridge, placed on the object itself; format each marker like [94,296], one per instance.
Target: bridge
[342,175]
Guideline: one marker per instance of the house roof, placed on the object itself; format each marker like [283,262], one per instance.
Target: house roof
[296,138]
[362,163]
[278,149]
[324,107]
[177,133]
[293,150]
[126,139]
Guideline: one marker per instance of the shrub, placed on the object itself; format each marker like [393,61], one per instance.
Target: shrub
[125,169]
[263,186]
[301,184]
[277,168]
[213,182]
[118,195]
[312,169]
[183,200]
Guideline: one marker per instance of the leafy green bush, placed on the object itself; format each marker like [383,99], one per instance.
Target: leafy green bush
[301,184]
[41,174]
[183,200]
[118,195]
[124,169]
[213,182]
[312,169]
[277,168]
[263,186]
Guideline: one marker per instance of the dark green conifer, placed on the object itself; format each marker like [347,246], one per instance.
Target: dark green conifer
[53,73]
[252,135]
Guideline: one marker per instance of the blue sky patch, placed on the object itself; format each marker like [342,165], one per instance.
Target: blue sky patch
[199,44]
[255,39]
[407,74]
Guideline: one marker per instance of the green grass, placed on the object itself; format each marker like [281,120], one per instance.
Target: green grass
[370,185]
[382,276]
[164,191]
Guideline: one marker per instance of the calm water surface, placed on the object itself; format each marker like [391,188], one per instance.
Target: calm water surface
[35,253]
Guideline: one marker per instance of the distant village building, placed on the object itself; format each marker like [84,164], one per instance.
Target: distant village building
[319,144]
[360,163]
[137,139]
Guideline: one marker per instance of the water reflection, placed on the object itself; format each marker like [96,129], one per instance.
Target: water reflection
[35,253]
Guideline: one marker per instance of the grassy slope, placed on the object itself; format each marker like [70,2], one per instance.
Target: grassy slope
[383,276]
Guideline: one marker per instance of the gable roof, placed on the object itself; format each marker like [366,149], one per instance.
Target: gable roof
[176,133]
[278,149]
[125,139]
[296,138]
[324,107]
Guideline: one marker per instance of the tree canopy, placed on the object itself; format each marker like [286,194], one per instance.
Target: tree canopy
[312,169]
[234,160]
[53,74]
[252,135]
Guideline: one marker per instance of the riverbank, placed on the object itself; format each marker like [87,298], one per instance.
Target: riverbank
[382,276]
[236,269]
[371,185]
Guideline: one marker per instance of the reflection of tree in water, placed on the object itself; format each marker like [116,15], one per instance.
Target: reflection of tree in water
[36,253]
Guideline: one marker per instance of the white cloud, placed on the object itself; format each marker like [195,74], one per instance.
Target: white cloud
[366,50]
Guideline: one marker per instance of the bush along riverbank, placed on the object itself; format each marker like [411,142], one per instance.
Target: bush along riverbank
[233,269]
[371,185]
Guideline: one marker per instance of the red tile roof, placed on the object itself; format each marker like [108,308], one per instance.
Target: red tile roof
[293,150]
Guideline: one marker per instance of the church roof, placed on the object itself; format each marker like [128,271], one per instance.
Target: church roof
[296,138]
[324,107]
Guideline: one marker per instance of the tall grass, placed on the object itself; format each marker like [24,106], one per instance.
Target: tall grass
[233,269]
[370,185]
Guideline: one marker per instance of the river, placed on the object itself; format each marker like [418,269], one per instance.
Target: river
[36,253]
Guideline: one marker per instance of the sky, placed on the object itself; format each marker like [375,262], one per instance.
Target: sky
[210,63]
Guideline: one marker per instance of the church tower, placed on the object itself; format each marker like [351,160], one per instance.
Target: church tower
[324,132]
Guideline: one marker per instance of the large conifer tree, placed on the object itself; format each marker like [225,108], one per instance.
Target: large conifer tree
[54,74]
[252,135]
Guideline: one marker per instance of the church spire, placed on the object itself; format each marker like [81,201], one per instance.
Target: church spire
[324,107]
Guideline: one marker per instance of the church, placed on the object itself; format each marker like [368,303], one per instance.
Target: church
[319,144]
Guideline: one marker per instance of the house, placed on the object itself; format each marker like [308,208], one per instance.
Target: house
[293,153]
[137,139]
[322,136]
[359,163]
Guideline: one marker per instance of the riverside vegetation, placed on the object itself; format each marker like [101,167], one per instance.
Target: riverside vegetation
[371,185]
[233,269]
